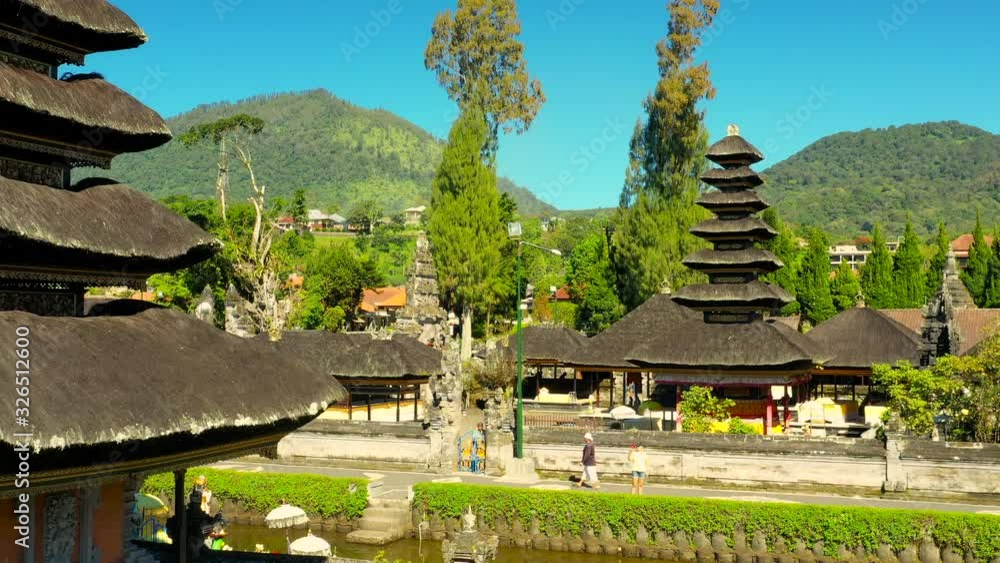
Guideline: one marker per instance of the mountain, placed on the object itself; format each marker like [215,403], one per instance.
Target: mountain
[846,182]
[337,151]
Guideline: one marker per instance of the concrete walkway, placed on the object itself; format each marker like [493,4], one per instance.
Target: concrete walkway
[395,484]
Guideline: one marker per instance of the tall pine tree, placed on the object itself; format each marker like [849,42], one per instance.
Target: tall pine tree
[464,228]
[976,268]
[909,279]
[991,282]
[935,271]
[876,275]
[666,156]
[814,280]
[845,288]
[787,249]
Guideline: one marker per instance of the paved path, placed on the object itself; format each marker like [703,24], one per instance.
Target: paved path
[396,483]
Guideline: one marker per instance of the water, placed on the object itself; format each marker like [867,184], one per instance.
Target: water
[244,537]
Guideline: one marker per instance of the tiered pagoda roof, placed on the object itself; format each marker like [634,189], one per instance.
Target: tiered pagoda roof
[731,335]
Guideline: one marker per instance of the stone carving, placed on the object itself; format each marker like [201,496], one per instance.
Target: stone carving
[25,63]
[423,317]
[470,546]
[205,311]
[443,410]
[66,303]
[237,321]
[52,176]
[60,528]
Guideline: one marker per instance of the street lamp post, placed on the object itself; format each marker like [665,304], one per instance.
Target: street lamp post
[514,231]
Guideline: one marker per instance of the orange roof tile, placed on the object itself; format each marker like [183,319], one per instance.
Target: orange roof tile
[963,243]
[383,298]
[973,325]
[562,294]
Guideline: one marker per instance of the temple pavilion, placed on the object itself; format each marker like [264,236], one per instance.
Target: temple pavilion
[731,346]
[126,389]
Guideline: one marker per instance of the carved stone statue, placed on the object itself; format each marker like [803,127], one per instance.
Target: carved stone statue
[469,545]
[205,311]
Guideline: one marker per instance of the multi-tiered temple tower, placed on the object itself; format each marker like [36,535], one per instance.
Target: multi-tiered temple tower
[732,345]
[107,394]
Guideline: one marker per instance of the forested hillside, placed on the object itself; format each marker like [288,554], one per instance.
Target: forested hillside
[846,182]
[338,152]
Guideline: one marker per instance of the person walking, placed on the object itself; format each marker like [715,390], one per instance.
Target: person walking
[589,463]
[637,457]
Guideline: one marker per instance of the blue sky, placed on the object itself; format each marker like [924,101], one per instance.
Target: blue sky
[787,71]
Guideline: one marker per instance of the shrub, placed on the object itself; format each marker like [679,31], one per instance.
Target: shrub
[261,492]
[570,512]
[737,426]
[700,409]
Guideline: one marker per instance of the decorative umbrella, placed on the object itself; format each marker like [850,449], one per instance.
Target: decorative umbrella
[148,505]
[286,516]
[310,545]
[622,413]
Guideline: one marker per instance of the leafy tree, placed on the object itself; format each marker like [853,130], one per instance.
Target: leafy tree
[592,285]
[464,228]
[366,213]
[876,274]
[935,271]
[479,61]
[909,278]
[814,280]
[976,410]
[845,288]
[666,156]
[335,278]
[700,408]
[297,209]
[917,395]
[786,248]
[977,267]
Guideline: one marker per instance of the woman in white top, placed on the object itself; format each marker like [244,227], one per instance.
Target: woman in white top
[637,457]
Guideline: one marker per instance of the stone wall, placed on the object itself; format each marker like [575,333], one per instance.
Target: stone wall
[737,547]
[922,465]
[350,444]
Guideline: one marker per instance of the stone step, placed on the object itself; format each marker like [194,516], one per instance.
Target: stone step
[387,512]
[380,524]
[373,537]
[382,502]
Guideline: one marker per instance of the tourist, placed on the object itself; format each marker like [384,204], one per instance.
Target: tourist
[589,463]
[637,457]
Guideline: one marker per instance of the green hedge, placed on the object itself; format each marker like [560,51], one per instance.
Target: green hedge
[261,492]
[571,512]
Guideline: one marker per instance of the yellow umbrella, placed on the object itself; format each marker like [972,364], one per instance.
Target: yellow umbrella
[148,505]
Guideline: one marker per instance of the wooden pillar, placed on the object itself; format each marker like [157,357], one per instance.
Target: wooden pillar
[180,510]
[768,414]
[350,403]
[399,398]
[576,375]
[680,416]
[788,414]
[854,389]
[416,401]
[611,399]
[836,389]
[368,399]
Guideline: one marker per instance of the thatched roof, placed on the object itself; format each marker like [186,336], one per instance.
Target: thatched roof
[748,259]
[744,228]
[859,337]
[696,344]
[86,25]
[733,149]
[544,344]
[741,176]
[91,110]
[755,295]
[609,348]
[96,224]
[362,356]
[154,373]
[746,200]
